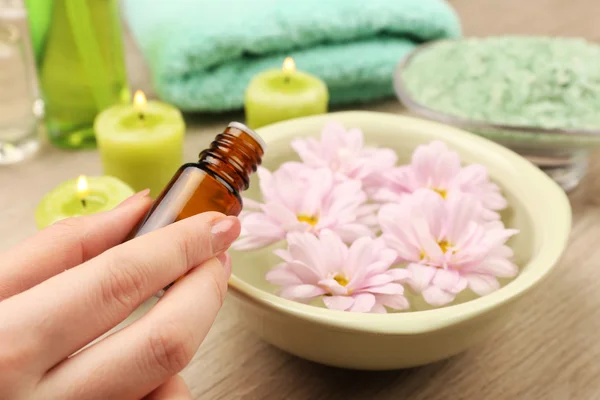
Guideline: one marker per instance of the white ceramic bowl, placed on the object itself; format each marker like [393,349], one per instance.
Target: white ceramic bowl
[538,208]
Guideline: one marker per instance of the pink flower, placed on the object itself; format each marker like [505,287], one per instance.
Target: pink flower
[345,154]
[447,247]
[355,278]
[437,168]
[301,199]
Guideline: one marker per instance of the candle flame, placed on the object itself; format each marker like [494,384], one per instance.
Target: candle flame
[83,189]
[289,65]
[139,100]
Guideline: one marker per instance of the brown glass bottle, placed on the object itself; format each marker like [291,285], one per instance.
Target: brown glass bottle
[213,183]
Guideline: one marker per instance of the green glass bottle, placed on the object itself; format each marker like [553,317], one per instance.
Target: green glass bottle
[81,66]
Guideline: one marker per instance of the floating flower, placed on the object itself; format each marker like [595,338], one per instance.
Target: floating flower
[344,153]
[447,247]
[356,278]
[442,221]
[301,199]
[437,168]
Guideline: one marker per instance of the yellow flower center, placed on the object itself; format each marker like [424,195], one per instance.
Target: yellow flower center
[310,219]
[341,280]
[441,192]
[444,246]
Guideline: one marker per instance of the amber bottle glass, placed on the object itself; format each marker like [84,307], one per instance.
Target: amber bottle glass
[213,183]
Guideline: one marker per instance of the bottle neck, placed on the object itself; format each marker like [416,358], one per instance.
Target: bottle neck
[233,156]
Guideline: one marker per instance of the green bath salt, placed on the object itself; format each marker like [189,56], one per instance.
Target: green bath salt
[551,83]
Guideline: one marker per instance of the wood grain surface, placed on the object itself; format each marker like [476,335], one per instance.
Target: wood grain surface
[550,350]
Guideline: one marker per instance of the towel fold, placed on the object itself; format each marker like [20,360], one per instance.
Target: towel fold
[202,54]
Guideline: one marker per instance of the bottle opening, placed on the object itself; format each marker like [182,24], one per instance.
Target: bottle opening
[250,132]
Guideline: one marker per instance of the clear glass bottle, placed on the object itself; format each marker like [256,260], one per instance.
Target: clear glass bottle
[20,106]
[81,65]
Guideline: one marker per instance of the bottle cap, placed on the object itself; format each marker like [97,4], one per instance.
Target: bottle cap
[250,132]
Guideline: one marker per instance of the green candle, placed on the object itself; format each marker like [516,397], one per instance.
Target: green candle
[81,196]
[277,95]
[142,143]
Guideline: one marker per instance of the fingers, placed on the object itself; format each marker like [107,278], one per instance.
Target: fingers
[173,389]
[99,294]
[136,360]
[66,244]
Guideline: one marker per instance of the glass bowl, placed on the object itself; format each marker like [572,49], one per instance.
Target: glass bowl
[561,153]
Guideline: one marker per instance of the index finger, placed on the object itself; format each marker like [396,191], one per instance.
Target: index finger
[67,244]
[88,300]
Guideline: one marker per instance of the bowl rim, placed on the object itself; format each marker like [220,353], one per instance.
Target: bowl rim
[554,233]
[469,124]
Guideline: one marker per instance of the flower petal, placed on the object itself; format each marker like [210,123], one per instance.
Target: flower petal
[333,286]
[306,248]
[351,232]
[378,309]
[312,196]
[498,266]
[252,242]
[265,182]
[427,242]
[301,292]
[338,302]
[399,274]
[482,284]
[250,204]
[497,237]
[421,276]
[363,302]
[449,281]
[462,211]
[283,277]
[336,254]
[258,230]
[437,297]
[405,251]
[388,288]
[394,301]
[360,259]
[431,207]
[471,175]
[305,148]
[376,280]
[281,215]
[283,254]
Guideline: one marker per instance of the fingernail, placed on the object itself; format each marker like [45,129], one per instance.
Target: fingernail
[223,233]
[225,261]
[135,197]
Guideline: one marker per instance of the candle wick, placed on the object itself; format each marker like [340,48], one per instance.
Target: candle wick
[141,116]
[286,79]
[83,203]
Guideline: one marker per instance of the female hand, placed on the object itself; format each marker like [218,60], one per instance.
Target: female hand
[74,281]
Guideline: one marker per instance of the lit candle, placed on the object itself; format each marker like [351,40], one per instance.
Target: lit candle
[81,196]
[141,143]
[289,66]
[139,103]
[83,190]
[281,94]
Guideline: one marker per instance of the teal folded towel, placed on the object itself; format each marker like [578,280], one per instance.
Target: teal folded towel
[202,54]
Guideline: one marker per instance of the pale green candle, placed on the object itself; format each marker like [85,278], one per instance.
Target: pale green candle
[281,94]
[81,196]
[141,143]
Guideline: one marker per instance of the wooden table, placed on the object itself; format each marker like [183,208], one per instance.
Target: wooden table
[550,351]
